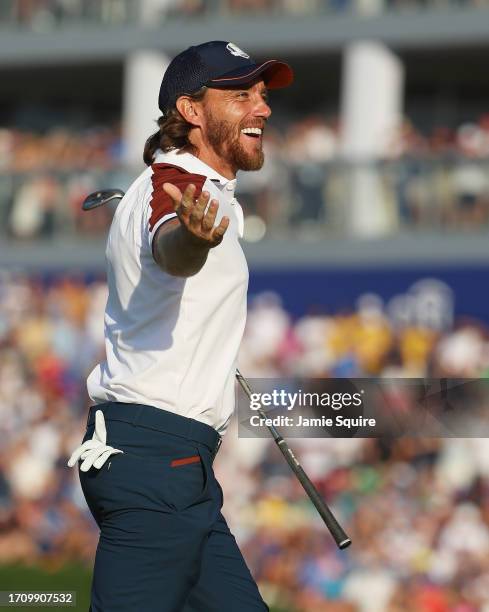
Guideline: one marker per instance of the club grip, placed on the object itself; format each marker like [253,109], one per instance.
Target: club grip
[339,535]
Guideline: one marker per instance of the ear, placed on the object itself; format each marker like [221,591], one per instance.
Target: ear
[190,110]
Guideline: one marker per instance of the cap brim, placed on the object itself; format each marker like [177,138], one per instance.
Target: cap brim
[275,74]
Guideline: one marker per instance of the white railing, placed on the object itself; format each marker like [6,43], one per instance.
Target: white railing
[307,199]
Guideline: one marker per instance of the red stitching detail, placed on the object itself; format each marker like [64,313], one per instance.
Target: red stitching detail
[185,461]
[243,75]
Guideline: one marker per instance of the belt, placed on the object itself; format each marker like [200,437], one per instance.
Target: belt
[159,420]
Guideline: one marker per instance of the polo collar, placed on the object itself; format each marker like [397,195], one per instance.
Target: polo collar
[195,166]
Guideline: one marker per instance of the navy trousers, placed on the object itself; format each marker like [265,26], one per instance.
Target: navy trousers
[164,545]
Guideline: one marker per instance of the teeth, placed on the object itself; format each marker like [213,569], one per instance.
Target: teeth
[252,130]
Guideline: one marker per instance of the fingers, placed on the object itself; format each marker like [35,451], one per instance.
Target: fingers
[183,203]
[74,457]
[198,209]
[81,451]
[92,453]
[220,230]
[98,463]
[187,200]
[89,459]
[101,459]
[210,216]
[98,457]
[193,214]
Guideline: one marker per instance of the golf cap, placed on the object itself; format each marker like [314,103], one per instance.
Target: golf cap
[218,64]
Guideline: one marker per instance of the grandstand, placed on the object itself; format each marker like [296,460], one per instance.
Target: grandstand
[368,257]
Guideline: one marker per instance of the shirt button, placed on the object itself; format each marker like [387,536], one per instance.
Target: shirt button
[229,187]
[233,201]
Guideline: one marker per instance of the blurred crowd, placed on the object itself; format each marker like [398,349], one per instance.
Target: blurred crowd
[44,179]
[49,14]
[429,179]
[417,509]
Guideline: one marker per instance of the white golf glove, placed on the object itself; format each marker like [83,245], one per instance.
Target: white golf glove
[94,451]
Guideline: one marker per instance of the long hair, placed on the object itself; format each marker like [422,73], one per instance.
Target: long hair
[173,132]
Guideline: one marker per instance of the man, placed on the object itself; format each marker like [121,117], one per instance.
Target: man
[174,320]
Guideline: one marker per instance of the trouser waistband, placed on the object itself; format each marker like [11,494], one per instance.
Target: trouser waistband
[159,420]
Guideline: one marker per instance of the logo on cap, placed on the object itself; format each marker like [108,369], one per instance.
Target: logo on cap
[235,50]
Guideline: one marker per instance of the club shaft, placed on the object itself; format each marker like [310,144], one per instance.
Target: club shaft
[339,535]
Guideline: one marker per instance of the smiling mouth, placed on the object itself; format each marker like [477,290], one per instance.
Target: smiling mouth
[252,132]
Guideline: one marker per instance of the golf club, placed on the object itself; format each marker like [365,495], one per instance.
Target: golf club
[99,198]
[339,535]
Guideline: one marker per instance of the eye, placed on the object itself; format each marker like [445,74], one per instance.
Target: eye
[264,95]
[243,95]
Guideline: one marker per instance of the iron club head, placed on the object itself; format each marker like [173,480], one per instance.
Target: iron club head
[99,198]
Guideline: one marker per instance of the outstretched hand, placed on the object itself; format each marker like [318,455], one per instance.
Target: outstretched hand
[193,216]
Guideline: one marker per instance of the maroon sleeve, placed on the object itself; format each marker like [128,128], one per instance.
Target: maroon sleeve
[161,203]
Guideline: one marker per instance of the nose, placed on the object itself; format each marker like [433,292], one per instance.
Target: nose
[262,109]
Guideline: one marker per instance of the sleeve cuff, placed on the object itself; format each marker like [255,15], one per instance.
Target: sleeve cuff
[159,223]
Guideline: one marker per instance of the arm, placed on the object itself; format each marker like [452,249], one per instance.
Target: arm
[181,246]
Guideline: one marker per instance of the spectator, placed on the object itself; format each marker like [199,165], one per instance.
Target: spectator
[417,509]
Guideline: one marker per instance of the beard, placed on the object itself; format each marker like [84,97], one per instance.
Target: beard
[224,140]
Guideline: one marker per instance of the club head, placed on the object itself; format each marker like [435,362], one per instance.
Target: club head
[99,198]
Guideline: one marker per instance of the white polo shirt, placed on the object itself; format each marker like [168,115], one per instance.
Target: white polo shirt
[172,342]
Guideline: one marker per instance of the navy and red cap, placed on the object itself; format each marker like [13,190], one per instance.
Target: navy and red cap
[218,64]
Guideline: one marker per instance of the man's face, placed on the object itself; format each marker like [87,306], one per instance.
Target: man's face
[234,124]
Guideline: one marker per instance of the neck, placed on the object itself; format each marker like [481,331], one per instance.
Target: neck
[207,155]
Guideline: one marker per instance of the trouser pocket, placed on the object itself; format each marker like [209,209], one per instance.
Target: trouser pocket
[187,480]
[127,480]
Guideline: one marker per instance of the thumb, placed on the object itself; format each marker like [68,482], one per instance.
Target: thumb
[174,192]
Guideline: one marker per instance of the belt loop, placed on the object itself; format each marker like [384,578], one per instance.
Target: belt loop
[138,410]
[190,433]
